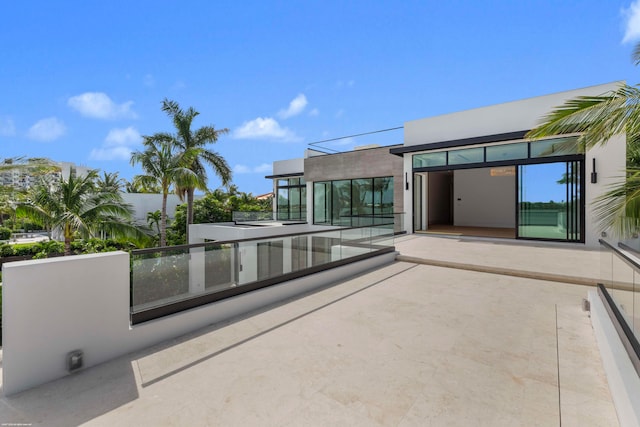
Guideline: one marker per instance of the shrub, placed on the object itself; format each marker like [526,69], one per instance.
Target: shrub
[6,250]
[5,233]
[24,249]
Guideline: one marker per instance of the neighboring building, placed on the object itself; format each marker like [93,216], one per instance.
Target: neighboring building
[144,203]
[469,172]
[24,178]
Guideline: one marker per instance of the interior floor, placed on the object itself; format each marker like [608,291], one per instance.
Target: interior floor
[455,230]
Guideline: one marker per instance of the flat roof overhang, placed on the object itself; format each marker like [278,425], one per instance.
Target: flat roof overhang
[285,175]
[498,137]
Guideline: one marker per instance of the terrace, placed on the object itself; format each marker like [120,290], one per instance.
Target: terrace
[454,332]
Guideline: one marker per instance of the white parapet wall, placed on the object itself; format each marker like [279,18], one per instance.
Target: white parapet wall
[54,306]
[623,379]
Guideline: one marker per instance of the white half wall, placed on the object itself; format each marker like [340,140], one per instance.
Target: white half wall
[54,306]
[622,377]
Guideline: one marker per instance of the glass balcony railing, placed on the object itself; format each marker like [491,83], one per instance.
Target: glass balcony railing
[248,216]
[395,218]
[620,286]
[171,279]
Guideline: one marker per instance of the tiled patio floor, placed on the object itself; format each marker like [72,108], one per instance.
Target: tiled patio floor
[405,345]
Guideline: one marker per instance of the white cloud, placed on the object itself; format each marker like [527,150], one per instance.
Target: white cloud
[315,112]
[148,80]
[98,105]
[118,145]
[343,141]
[262,168]
[265,127]
[113,153]
[632,22]
[7,127]
[348,83]
[339,113]
[179,85]
[126,136]
[47,129]
[296,106]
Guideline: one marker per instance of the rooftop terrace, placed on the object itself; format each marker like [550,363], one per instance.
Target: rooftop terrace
[407,344]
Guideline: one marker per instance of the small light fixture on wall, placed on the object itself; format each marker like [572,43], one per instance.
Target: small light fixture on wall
[594,174]
[406,181]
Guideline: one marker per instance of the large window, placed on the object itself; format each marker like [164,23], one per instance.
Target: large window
[549,201]
[496,153]
[352,202]
[292,199]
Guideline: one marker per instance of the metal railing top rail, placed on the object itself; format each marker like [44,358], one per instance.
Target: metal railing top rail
[635,263]
[229,242]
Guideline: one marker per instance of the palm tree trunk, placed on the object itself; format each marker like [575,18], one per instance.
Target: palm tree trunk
[190,192]
[67,240]
[163,220]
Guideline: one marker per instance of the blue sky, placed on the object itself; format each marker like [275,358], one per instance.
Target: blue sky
[81,81]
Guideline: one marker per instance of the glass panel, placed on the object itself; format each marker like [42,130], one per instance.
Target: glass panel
[294,181]
[294,203]
[507,152]
[303,203]
[430,159]
[159,278]
[270,262]
[467,155]
[383,198]
[361,201]
[321,247]
[341,202]
[302,181]
[218,264]
[299,258]
[321,202]
[283,203]
[548,201]
[283,182]
[636,305]
[554,147]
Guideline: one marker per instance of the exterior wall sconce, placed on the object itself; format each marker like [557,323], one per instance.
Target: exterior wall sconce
[594,174]
[74,360]
[406,181]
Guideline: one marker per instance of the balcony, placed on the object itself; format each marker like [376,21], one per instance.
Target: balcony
[414,342]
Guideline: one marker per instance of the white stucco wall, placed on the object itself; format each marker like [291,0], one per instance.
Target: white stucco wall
[54,306]
[144,203]
[284,167]
[512,116]
[610,165]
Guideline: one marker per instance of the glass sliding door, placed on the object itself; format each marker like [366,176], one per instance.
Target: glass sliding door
[341,202]
[322,203]
[549,205]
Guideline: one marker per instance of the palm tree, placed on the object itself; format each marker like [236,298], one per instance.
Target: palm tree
[164,167]
[188,139]
[110,182]
[596,119]
[135,186]
[153,219]
[74,206]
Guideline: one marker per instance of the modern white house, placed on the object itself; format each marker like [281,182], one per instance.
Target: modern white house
[469,172]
